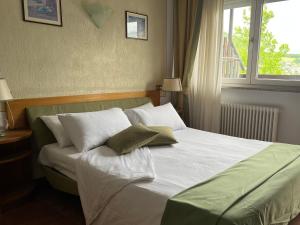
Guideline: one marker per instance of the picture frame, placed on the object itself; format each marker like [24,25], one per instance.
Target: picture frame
[136,26]
[43,11]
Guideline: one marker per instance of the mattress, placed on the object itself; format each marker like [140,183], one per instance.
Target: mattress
[198,156]
[61,159]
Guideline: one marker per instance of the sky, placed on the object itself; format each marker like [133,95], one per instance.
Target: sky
[285,25]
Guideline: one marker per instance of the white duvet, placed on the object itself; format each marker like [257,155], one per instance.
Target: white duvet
[101,174]
[198,156]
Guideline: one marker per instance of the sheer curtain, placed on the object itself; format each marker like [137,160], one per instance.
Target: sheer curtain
[205,84]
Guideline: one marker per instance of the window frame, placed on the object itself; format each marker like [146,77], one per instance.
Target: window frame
[253,54]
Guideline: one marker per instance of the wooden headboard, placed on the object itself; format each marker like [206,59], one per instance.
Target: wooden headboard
[17,114]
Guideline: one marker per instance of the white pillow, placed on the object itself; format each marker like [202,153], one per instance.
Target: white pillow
[92,129]
[164,115]
[132,116]
[145,106]
[53,123]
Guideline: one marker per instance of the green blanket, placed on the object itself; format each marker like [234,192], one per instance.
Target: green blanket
[261,190]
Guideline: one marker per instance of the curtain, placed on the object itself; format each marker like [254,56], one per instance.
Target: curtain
[205,84]
[187,16]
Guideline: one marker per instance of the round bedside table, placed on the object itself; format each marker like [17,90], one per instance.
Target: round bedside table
[15,166]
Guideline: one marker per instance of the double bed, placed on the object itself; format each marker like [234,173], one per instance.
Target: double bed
[197,157]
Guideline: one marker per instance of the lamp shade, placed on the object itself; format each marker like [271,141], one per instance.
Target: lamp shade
[4,90]
[172,84]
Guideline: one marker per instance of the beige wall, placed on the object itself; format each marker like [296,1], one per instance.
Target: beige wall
[42,60]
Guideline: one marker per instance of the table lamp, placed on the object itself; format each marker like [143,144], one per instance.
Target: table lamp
[174,85]
[5,95]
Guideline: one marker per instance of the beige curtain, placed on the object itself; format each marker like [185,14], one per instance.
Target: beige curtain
[187,17]
[205,84]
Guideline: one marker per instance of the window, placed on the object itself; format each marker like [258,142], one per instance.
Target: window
[235,54]
[261,42]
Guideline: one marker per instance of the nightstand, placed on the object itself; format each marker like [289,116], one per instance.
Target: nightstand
[15,166]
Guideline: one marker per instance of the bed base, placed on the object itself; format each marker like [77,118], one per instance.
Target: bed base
[60,182]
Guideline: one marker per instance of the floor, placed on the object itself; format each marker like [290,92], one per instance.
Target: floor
[45,206]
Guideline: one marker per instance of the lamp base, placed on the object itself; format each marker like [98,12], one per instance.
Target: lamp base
[2,133]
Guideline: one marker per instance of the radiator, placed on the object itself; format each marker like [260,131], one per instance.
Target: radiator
[249,121]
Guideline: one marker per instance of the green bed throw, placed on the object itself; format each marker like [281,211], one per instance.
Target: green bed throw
[261,190]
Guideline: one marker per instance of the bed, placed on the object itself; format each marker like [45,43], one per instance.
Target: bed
[196,158]
[212,159]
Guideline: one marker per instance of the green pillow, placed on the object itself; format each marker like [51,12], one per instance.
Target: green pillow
[165,136]
[131,138]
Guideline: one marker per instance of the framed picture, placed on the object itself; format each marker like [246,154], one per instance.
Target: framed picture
[136,26]
[43,11]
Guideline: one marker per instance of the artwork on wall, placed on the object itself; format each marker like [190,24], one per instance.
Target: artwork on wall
[136,26]
[43,11]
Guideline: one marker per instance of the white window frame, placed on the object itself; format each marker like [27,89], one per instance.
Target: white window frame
[253,54]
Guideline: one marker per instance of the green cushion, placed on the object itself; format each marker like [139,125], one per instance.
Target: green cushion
[43,136]
[131,138]
[165,136]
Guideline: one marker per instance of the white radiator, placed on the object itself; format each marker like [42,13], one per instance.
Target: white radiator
[249,121]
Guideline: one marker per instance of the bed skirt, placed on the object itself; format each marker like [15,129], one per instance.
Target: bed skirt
[60,182]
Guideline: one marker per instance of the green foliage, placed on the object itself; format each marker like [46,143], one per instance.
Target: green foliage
[271,55]
[294,57]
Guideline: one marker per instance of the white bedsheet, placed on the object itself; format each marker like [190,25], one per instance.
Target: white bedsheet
[198,156]
[102,174]
[61,159]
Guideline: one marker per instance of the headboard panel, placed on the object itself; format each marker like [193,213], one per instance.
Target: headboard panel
[43,136]
[17,108]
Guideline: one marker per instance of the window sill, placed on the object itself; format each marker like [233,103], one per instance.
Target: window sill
[262,87]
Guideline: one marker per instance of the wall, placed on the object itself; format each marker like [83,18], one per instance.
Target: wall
[288,102]
[43,60]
